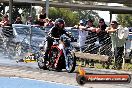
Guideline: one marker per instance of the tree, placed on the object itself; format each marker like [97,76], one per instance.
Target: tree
[1,10]
[70,17]
[125,19]
[26,12]
[89,14]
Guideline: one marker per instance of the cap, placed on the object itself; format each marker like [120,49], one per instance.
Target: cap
[81,21]
[101,19]
[114,22]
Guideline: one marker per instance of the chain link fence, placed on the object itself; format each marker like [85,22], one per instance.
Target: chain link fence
[100,44]
[18,40]
[95,44]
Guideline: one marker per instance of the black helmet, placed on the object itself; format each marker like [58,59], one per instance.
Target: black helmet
[59,22]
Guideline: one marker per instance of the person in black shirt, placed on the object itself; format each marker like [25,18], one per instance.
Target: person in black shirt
[103,36]
[18,21]
[29,21]
[104,39]
[55,32]
[42,16]
[90,41]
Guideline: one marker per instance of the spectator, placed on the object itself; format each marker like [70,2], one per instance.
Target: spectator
[104,38]
[18,21]
[42,17]
[117,44]
[29,21]
[5,21]
[82,35]
[92,36]
[104,41]
[50,24]
[90,41]
[46,21]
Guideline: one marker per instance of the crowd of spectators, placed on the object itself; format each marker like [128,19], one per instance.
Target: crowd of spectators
[40,20]
[107,37]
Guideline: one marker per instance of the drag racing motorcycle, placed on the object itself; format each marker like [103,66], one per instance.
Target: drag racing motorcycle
[61,56]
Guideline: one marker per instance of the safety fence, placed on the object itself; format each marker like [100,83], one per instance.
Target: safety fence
[98,48]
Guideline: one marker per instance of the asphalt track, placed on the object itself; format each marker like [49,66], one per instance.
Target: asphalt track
[9,68]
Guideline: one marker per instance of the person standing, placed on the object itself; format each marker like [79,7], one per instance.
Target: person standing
[82,35]
[104,37]
[92,36]
[18,21]
[117,44]
[104,41]
[29,21]
[42,17]
[5,21]
[90,39]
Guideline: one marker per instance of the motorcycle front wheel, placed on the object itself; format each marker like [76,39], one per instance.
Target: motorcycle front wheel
[41,62]
[71,62]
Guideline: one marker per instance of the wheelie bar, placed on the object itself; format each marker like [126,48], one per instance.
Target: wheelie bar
[82,77]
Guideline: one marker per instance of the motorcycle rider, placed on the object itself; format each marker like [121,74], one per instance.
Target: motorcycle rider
[55,32]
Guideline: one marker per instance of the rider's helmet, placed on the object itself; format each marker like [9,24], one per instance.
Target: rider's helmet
[59,23]
[82,22]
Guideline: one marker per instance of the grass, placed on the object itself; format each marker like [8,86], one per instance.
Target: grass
[127,66]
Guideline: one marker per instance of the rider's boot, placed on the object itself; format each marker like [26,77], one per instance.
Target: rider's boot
[46,57]
[66,59]
[66,63]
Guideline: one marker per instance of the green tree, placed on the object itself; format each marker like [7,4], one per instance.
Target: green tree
[26,12]
[89,14]
[125,19]
[70,17]
[1,10]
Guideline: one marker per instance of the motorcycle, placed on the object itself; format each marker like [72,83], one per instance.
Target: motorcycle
[61,56]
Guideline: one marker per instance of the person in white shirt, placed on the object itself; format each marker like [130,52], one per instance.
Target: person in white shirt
[87,38]
[82,35]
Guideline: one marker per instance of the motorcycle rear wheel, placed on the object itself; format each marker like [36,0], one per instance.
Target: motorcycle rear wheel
[52,57]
